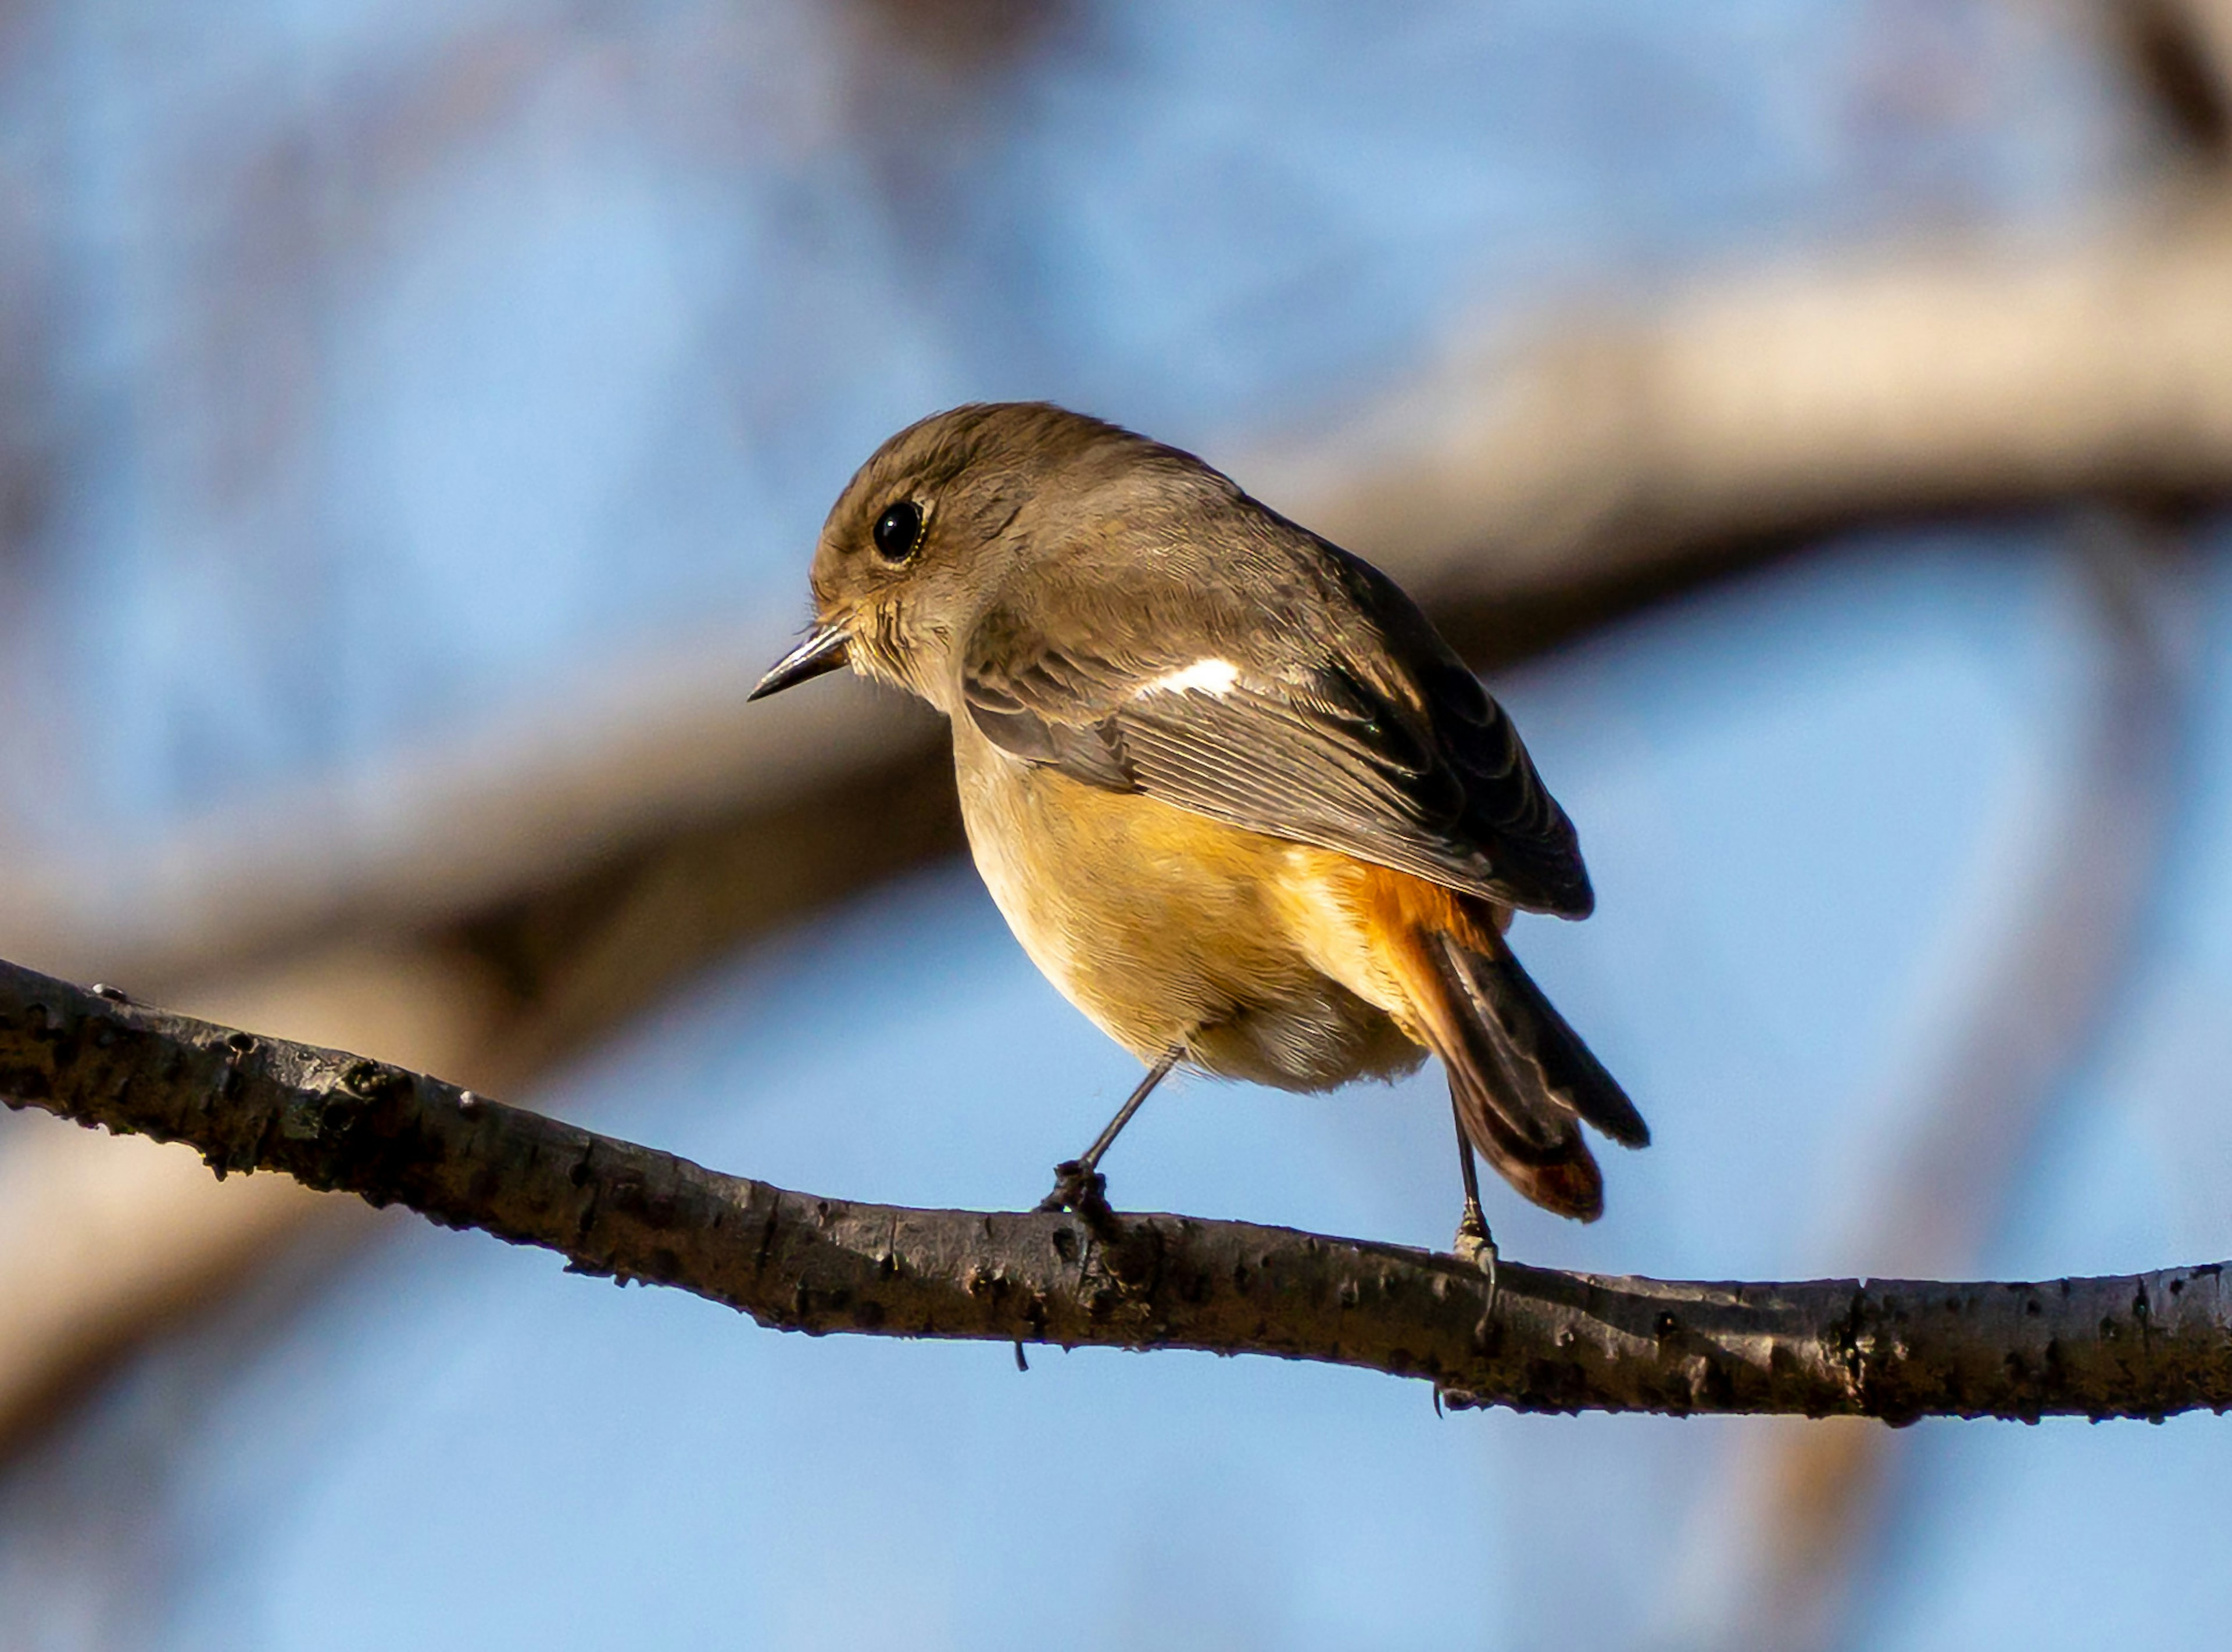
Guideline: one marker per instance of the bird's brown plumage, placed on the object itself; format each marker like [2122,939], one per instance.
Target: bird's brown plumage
[1231,790]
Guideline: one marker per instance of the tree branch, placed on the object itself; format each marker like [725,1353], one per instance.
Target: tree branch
[2146,1345]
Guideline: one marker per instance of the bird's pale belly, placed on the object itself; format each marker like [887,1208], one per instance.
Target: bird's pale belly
[1170,930]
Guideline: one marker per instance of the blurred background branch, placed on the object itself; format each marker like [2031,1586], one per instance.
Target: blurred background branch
[1618,463]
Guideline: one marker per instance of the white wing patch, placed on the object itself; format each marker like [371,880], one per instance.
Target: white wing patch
[1208,675]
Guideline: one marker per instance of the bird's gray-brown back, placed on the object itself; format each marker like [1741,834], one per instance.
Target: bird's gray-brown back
[1149,627]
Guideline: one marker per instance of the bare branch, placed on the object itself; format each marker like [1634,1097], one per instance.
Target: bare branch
[2140,1346]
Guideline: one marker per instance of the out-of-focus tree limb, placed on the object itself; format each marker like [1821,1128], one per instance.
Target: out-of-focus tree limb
[1641,447]
[1600,462]
[466,830]
[2179,55]
[2141,1346]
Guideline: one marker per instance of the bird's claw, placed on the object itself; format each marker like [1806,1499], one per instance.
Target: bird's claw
[1076,1188]
[1475,1244]
[1085,1192]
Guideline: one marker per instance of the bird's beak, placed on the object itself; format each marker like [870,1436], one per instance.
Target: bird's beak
[822,651]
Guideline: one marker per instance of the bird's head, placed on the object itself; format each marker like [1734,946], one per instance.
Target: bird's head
[924,535]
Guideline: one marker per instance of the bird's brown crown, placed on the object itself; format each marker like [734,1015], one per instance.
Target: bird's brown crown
[928,528]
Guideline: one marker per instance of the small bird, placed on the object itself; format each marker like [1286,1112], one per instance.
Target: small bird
[1233,792]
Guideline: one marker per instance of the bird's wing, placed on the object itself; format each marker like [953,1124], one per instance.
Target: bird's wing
[1361,733]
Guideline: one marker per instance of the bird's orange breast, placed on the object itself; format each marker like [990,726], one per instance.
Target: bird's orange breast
[1262,958]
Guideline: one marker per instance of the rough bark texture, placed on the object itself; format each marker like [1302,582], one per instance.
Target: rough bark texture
[2141,1346]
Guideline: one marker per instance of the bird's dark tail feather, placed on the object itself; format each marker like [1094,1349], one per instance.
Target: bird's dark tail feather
[1524,1081]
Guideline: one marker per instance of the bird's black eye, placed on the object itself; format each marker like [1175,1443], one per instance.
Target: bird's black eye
[898,530]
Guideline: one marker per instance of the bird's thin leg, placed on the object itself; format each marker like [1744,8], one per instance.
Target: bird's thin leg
[1079,1178]
[1473,1237]
[1106,1139]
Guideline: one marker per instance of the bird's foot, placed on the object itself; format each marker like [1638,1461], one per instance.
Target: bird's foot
[1084,1191]
[1473,1237]
[1475,1244]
